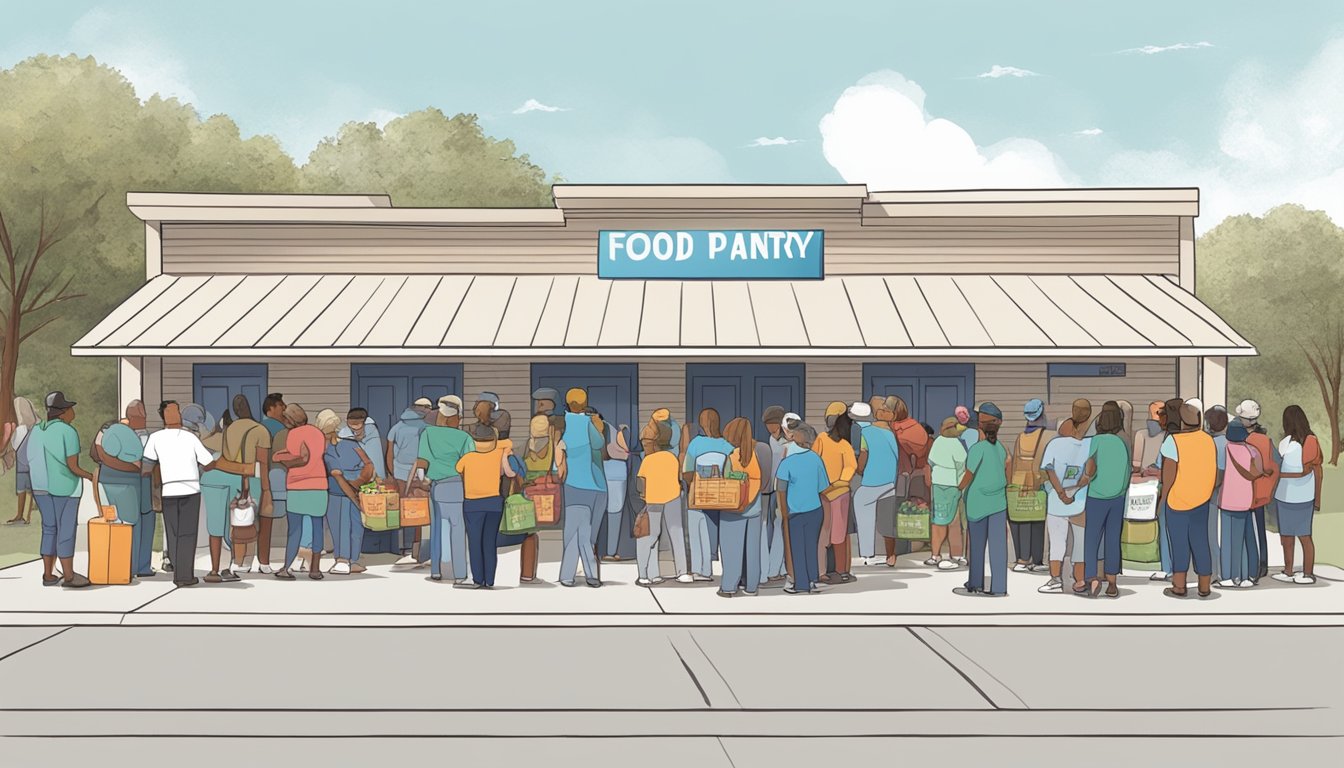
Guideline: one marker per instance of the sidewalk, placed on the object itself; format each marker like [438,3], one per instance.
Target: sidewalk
[909,595]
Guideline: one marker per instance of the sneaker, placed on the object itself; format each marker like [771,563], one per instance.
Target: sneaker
[1038,568]
[407,560]
[1303,578]
[685,578]
[566,583]
[871,561]
[658,580]
[424,564]
[1247,583]
[845,578]
[961,561]
[789,590]
[1227,584]
[642,582]
[1019,567]
[459,582]
[947,565]
[1286,578]
[229,576]
[299,564]
[594,583]
[340,569]
[968,592]
[932,562]
[193,581]
[266,569]
[699,577]
[721,593]
[1053,585]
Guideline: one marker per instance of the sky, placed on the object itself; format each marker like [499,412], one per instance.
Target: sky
[1240,99]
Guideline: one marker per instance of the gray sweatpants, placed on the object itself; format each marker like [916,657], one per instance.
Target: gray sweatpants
[581,508]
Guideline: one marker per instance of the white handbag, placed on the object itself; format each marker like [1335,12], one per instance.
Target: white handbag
[243,511]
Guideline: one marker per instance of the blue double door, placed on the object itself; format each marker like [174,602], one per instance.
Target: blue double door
[932,391]
[214,385]
[735,389]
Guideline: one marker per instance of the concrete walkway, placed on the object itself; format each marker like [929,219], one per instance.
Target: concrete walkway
[386,595]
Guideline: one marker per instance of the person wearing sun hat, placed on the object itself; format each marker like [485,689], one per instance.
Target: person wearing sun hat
[1026,475]
[985,486]
[947,458]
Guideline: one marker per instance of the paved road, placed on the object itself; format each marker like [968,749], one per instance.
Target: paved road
[718,696]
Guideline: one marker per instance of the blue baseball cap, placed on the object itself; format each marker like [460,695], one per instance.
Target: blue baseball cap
[990,409]
[1034,409]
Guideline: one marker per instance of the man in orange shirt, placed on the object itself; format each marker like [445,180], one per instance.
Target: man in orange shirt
[1189,473]
[1262,488]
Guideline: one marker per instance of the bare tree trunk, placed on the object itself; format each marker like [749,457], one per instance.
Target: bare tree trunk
[9,364]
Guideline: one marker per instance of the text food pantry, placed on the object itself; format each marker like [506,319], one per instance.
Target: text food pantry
[684,297]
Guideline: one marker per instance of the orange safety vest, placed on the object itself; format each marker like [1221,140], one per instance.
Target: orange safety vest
[1196,471]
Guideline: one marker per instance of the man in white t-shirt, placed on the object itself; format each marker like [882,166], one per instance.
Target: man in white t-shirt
[178,457]
[1063,463]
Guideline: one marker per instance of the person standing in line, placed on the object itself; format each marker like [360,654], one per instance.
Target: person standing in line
[65,484]
[674,512]
[1215,422]
[273,419]
[348,467]
[1106,483]
[544,400]
[616,467]
[800,481]
[483,506]
[25,420]
[985,486]
[659,485]
[837,454]
[403,445]
[1171,424]
[1148,441]
[249,442]
[301,457]
[879,461]
[1064,464]
[176,455]
[1248,413]
[741,529]
[947,458]
[1189,471]
[118,450]
[273,413]
[441,445]
[1240,555]
[1298,494]
[579,457]
[709,448]
[363,429]
[773,567]
[912,443]
[1028,448]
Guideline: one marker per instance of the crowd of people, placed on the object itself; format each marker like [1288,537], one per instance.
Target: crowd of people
[866,473]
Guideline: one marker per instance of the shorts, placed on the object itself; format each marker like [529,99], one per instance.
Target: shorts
[1059,528]
[946,498]
[23,482]
[215,498]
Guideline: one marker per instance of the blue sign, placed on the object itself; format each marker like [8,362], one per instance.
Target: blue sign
[710,254]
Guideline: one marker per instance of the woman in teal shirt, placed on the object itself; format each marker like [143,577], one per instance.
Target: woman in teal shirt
[985,486]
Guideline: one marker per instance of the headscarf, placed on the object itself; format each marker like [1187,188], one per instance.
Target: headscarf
[25,414]
[296,415]
[328,421]
[196,419]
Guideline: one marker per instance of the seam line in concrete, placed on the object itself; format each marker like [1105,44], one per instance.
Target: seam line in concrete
[35,643]
[690,672]
[715,667]
[946,650]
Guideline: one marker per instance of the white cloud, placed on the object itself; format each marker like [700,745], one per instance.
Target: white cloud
[778,141]
[997,71]
[532,105]
[878,133]
[1089,132]
[121,43]
[1150,50]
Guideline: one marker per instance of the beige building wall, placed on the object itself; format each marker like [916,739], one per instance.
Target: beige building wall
[317,383]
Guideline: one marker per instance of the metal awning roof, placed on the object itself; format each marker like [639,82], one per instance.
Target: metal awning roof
[462,315]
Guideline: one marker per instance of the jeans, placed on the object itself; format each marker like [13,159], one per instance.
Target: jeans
[1240,554]
[581,506]
[446,498]
[59,521]
[1189,538]
[1029,541]
[347,527]
[1262,538]
[991,531]
[181,522]
[1104,520]
[741,536]
[772,539]
[804,532]
[615,504]
[1213,536]
[483,517]
[1164,538]
[865,516]
[142,544]
[298,527]
[703,527]
[646,547]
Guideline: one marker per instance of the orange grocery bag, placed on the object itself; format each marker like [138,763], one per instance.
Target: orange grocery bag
[414,512]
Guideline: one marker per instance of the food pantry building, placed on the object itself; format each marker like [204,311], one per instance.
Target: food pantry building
[732,297]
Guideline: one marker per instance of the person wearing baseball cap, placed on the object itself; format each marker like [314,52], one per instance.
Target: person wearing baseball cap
[1025,475]
[64,486]
[544,401]
[441,446]
[1248,412]
[985,488]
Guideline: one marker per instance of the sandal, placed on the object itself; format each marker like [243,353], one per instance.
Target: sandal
[1096,587]
[1112,591]
[1172,592]
[1080,588]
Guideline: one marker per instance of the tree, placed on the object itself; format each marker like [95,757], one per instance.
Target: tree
[1277,279]
[427,159]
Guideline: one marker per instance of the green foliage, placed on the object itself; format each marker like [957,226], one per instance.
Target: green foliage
[427,159]
[1278,280]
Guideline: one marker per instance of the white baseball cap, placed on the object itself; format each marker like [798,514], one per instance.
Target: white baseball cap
[450,405]
[1248,409]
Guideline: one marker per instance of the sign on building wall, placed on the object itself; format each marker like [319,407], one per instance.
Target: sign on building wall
[710,254]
